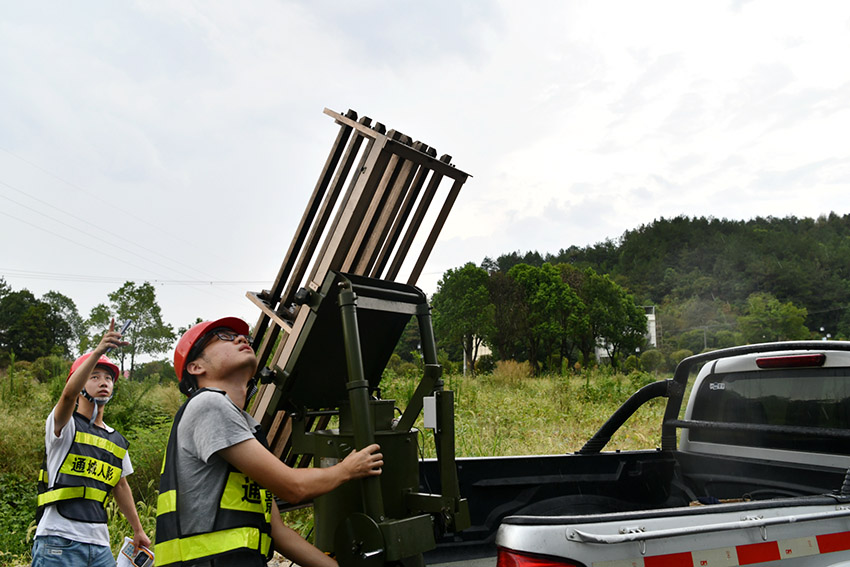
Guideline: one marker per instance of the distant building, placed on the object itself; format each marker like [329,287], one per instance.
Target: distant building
[651,336]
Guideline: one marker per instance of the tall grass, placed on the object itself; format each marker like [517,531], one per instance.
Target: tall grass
[510,413]
[507,412]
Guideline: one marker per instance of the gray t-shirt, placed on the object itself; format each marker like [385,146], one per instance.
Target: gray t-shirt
[210,423]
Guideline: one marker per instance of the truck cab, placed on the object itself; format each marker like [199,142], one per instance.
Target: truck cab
[759,474]
[773,398]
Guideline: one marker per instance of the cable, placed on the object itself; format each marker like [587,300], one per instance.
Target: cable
[87,223]
[89,247]
[109,279]
[95,197]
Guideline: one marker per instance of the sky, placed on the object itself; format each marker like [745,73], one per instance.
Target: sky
[178,142]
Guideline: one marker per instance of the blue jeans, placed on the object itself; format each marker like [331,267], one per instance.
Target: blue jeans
[55,551]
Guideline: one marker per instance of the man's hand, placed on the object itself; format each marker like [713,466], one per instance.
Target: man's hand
[365,462]
[111,339]
[141,539]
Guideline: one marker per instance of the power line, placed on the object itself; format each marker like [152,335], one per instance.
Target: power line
[84,222]
[87,223]
[111,279]
[97,199]
[85,233]
[125,261]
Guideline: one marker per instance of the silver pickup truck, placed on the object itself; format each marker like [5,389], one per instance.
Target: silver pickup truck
[755,470]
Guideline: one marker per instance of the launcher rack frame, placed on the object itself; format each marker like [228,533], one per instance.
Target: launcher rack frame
[328,327]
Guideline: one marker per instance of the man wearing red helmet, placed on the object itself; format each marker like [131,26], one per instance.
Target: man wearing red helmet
[85,461]
[216,506]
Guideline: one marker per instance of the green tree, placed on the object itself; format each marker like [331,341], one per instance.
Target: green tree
[148,334]
[31,327]
[408,342]
[553,311]
[583,336]
[678,356]
[619,324]
[767,319]
[23,326]
[510,317]
[65,323]
[462,309]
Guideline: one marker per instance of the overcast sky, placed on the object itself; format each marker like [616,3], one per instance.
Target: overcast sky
[177,142]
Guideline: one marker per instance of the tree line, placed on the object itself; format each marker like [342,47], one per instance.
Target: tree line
[714,283]
[550,315]
[33,327]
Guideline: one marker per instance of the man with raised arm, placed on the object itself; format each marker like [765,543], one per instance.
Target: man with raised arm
[85,460]
[216,506]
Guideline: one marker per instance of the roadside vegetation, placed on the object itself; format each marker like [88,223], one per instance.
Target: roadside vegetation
[502,412]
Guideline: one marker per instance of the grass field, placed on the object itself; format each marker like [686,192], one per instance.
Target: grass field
[503,413]
[510,413]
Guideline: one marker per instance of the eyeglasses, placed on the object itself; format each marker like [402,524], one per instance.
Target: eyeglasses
[230,336]
[222,333]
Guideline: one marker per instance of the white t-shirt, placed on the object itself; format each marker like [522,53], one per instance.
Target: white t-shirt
[52,522]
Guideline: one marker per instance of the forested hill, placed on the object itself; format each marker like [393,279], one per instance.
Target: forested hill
[713,266]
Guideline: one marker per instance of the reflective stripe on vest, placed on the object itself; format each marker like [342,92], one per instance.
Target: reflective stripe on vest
[242,520]
[211,544]
[166,502]
[88,473]
[71,492]
[101,443]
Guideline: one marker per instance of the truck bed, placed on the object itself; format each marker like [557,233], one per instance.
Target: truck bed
[790,529]
[532,490]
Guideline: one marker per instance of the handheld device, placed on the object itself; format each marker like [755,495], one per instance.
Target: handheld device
[124,328]
[130,556]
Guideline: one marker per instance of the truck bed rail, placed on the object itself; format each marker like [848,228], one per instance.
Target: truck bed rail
[747,522]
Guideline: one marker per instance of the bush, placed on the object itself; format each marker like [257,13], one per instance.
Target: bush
[17,386]
[146,452]
[638,380]
[679,355]
[17,513]
[485,364]
[600,386]
[444,361]
[631,364]
[160,370]
[137,406]
[46,368]
[652,360]
[511,371]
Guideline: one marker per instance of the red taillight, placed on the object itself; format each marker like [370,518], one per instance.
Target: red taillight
[793,361]
[511,558]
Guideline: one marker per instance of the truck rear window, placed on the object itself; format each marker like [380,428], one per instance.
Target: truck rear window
[810,398]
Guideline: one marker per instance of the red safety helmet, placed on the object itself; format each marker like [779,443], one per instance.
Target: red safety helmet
[190,337]
[102,361]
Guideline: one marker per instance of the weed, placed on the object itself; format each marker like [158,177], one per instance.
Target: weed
[300,520]
[119,527]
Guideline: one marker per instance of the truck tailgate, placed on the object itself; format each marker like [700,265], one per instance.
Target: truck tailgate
[803,531]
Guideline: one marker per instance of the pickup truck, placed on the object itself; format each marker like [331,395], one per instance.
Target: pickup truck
[760,473]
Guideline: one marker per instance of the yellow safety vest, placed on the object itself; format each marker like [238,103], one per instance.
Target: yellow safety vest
[87,475]
[241,531]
